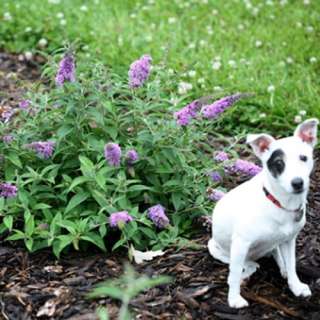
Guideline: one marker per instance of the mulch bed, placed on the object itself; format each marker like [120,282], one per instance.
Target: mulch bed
[37,286]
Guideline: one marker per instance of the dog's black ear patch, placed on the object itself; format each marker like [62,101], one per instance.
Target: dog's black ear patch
[276,164]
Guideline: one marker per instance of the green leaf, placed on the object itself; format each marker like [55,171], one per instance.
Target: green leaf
[29,225]
[95,239]
[100,198]
[8,222]
[106,290]
[76,200]
[14,159]
[18,235]
[77,181]
[61,242]
[176,199]
[87,166]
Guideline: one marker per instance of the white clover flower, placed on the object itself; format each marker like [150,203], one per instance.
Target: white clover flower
[283,2]
[133,15]
[184,87]
[63,22]
[202,43]
[60,15]
[174,101]
[306,2]
[232,63]
[297,119]
[192,73]
[192,45]
[28,29]
[209,30]
[216,65]
[149,38]
[84,8]
[145,8]
[240,27]
[289,60]
[258,43]
[313,60]
[172,20]
[205,1]
[7,16]
[269,3]
[302,113]
[43,42]
[299,24]
[28,55]
[262,115]
[255,11]
[215,12]
[170,71]
[309,29]
[271,88]
[217,88]
[201,80]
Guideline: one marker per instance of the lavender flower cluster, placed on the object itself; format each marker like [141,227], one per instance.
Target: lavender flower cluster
[186,114]
[66,71]
[44,149]
[243,167]
[139,71]
[215,194]
[156,214]
[212,111]
[112,153]
[8,190]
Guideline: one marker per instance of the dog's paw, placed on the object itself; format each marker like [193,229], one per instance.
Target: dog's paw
[301,290]
[237,302]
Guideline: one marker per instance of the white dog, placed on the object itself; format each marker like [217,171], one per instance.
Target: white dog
[264,215]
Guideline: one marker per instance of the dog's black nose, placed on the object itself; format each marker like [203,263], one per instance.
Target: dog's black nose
[297,184]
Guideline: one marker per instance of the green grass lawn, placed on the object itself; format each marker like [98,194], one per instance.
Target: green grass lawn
[270,48]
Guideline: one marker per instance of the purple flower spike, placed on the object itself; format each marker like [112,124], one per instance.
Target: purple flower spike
[8,190]
[244,167]
[139,71]
[44,149]
[215,194]
[221,156]
[212,111]
[119,218]
[7,138]
[215,176]
[66,71]
[158,216]
[24,104]
[112,153]
[132,156]
[186,114]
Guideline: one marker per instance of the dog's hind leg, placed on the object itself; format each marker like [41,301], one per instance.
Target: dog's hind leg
[216,251]
[276,253]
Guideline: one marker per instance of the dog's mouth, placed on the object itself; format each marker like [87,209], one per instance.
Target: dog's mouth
[299,191]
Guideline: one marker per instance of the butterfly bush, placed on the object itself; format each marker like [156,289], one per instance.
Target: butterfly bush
[221,156]
[213,110]
[112,153]
[8,190]
[132,156]
[44,149]
[66,71]
[7,138]
[215,176]
[215,194]
[24,104]
[186,114]
[139,71]
[158,216]
[243,167]
[118,218]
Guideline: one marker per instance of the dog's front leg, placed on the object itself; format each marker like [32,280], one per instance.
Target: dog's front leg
[239,250]
[288,250]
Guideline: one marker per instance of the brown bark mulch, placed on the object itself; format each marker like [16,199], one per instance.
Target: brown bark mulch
[37,286]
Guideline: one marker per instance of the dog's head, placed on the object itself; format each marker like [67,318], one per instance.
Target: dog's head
[289,161]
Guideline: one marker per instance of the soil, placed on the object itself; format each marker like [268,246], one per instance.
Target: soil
[37,286]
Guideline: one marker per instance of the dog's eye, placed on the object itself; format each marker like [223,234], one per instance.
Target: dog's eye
[303,158]
[279,164]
